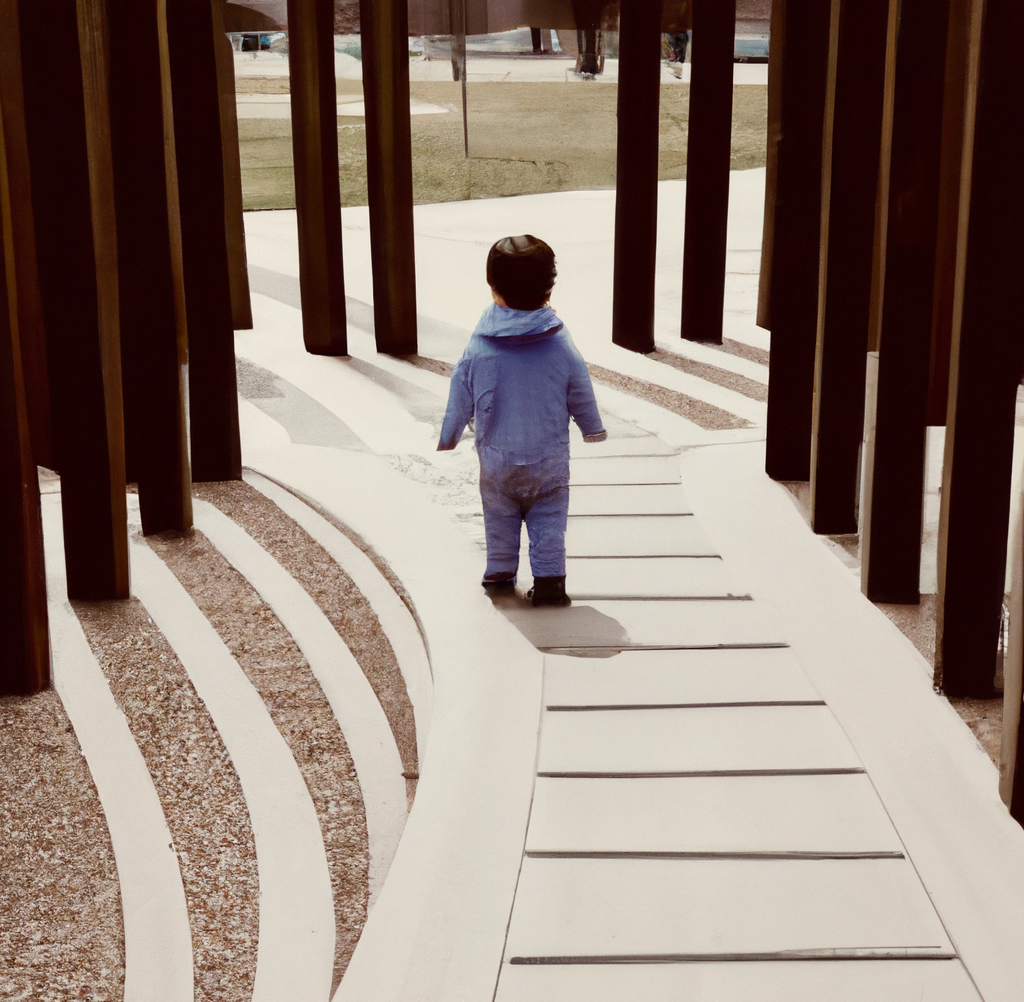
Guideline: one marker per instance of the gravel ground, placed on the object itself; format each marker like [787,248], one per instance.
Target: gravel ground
[524,138]
[60,904]
[276,667]
[704,414]
[741,350]
[198,788]
[336,595]
[720,377]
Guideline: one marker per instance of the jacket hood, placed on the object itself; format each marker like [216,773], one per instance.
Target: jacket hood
[503,321]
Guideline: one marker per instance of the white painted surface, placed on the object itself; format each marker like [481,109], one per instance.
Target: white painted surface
[395,619]
[937,784]
[637,536]
[685,623]
[833,814]
[368,409]
[295,957]
[628,499]
[438,928]
[256,426]
[360,716]
[779,981]
[717,357]
[641,577]
[157,935]
[694,740]
[452,242]
[722,676]
[586,907]
[640,445]
[624,470]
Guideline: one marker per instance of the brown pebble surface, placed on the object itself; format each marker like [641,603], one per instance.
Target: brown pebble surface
[742,350]
[61,933]
[333,591]
[712,373]
[268,655]
[198,788]
[700,413]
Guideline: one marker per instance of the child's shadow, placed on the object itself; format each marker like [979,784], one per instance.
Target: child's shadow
[577,630]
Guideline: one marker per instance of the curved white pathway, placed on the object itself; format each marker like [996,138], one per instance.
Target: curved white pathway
[295,957]
[395,619]
[157,936]
[353,702]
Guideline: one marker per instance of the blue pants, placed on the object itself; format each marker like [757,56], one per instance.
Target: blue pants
[537,494]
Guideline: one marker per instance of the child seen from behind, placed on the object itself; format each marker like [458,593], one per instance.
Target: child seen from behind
[520,380]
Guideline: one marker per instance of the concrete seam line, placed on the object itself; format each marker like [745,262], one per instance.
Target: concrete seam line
[395,619]
[354,704]
[295,957]
[157,934]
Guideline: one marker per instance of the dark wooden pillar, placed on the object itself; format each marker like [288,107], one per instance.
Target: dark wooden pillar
[708,155]
[317,193]
[64,52]
[987,358]
[385,40]
[905,267]
[788,302]
[213,403]
[238,271]
[853,131]
[947,230]
[152,296]
[31,332]
[636,175]
[24,641]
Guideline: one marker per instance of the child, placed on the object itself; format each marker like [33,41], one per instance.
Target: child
[520,379]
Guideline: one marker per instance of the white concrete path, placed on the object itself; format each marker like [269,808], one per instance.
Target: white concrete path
[701,819]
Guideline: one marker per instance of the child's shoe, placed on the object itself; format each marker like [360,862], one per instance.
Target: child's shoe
[499,589]
[549,591]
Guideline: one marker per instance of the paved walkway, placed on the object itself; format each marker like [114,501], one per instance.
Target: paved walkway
[720,775]
[701,825]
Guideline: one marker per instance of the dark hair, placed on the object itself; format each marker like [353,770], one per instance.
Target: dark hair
[522,271]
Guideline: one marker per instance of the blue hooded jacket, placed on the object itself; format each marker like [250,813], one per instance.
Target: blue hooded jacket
[520,379]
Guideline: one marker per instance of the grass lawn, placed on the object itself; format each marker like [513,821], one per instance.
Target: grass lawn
[523,138]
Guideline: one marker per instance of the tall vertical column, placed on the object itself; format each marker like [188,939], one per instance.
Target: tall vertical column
[987,355]
[31,332]
[199,154]
[64,53]
[636,175]
[708,155]
[788,303]
[25,649]
[384,25]
[317,193]
[852,141]
[905,256]
[238,270]
[152,295]
[961,13]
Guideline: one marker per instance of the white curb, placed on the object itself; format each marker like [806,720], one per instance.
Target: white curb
[295,958]
[157,936]
[355,706]
[396,620]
